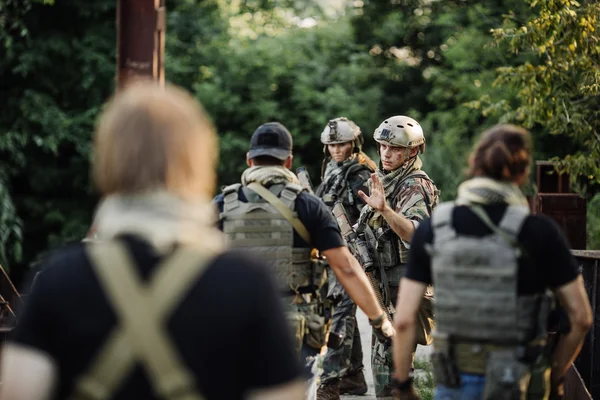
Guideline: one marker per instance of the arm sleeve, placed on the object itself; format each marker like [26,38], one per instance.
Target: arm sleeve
[418,267]
[35,321]
[273,356]
[320,222]
[556,264]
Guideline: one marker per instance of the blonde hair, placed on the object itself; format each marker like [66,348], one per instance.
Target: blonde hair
[150,138]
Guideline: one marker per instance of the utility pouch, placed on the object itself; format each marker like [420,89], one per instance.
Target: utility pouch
[506,377]
[539,384]
[443,362]
[319,272]
[329,199]
[316,331]
[425,321]
[297,323]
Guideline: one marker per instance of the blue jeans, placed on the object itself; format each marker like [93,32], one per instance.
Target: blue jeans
[471,388]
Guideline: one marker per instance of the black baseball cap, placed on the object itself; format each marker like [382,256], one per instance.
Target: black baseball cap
[271,139]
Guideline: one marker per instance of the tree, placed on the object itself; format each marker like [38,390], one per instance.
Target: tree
[54,81]
[300,77]
[559,91]
[436,59]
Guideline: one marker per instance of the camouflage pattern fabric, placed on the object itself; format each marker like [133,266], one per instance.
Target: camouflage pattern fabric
[414,196]
[348,357]
[342,181]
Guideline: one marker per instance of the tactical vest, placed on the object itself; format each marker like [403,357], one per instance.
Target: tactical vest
[340,189]
[476,281]
[257,226]
[481,320]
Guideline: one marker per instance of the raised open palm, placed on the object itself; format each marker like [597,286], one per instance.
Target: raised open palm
[377,198]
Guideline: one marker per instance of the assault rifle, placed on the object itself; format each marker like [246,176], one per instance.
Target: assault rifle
[359,247]
[304,179]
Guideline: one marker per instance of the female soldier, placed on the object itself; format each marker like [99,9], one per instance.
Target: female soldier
[491,264]
[345,170]
[147,309]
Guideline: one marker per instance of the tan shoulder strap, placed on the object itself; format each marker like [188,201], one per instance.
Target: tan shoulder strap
[508,237]
[282,209]
[142,311]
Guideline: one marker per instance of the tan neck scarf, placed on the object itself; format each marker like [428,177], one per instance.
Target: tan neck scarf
[481,190]
[268,175]
[160,218]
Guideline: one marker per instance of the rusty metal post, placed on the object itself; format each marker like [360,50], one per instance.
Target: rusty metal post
[556,200]
[140,40]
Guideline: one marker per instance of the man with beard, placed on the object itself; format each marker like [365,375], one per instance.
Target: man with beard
[345,171]
[270,214]
[401,195]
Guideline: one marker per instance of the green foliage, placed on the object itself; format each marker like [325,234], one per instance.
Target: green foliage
[302,78]
[301,63]
[10,230]
[436,59]
[54,83]
[593,223]
[424,381]
[560,89]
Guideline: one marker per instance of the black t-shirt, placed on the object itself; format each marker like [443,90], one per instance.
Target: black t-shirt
[229,330]
[316,217]
[546,261]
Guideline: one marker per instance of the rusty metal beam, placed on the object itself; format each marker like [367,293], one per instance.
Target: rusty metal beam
[556,200]
[140,40]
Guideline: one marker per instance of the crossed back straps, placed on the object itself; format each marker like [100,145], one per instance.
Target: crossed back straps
[142,310]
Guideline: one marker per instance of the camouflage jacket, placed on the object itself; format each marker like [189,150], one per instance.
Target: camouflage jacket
[414,196]
[342,182]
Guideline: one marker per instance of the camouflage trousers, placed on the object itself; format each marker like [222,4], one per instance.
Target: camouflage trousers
[348,357]
[382,357]
[382,366]
[308,331]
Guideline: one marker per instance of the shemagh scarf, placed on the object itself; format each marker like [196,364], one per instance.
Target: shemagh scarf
[162,219]
[333,172]
[268,175]
[482,191]
[389,181]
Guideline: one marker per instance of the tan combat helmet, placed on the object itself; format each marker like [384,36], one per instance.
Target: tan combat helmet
[400,131]
[340,130]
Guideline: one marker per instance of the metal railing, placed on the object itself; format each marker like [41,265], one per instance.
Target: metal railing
[588,362]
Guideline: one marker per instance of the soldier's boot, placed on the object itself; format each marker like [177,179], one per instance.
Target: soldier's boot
[354,383]
[385,394]
[329,390]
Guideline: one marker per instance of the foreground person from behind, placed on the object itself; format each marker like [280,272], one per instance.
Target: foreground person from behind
[148,309]
[271,214]
[491,264]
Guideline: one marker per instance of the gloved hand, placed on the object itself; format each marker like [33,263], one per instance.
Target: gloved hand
[383,329]
[404,390]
